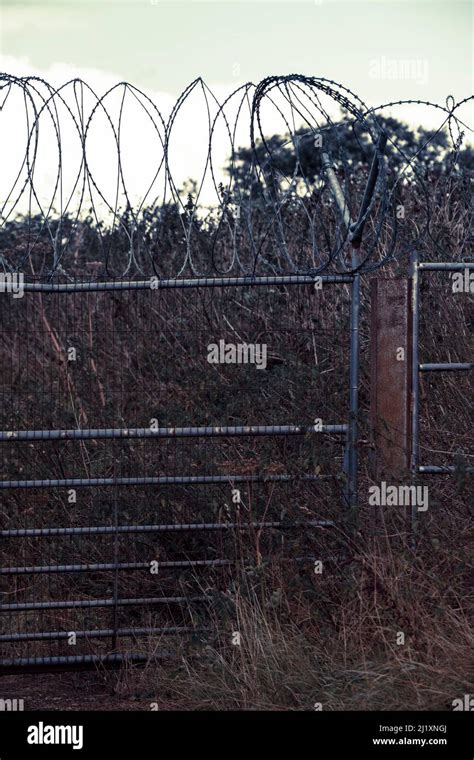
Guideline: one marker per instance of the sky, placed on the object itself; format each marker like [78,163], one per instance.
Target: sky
[382,50]
[164,45]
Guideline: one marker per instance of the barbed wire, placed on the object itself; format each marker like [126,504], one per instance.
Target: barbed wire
[110,185]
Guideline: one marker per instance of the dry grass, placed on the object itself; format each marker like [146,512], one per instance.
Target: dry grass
[332,639]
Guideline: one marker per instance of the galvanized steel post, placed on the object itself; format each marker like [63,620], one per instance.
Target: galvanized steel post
[415,382]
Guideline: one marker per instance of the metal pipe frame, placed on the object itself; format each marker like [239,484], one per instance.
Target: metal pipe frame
[167,432]
[72,662]
[348,430]
[416,268]
[174,527]
[446,367]
[102,633]
[155,283]
[86,603]
[108,566]
[160,480]
[430,469]
[442,266]
[415,381]
[355,235]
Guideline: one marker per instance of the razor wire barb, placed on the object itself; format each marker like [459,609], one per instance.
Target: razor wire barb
[251,207]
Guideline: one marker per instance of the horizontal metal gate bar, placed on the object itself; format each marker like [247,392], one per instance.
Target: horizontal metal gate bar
[109,529]
[446,367]
[78,660]
[198,282]
[105,566]
[78,603]
[162,480]
[207,431]
[435,469]
[442,266]
[102,633]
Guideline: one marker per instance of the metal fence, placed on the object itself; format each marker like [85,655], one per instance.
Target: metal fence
[148,453]
[108,531]
[459,437]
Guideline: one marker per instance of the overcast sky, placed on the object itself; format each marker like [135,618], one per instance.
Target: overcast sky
[382,50]
[164,45]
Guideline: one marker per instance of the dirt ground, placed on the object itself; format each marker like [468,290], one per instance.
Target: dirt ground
[69,691]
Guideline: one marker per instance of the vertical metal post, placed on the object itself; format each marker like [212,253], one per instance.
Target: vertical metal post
[114,641]
[415,396]
[355,237]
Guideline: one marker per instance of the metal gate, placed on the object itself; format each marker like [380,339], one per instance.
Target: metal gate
[418,270]
[116,538]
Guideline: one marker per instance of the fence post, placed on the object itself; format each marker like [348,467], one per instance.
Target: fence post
[391,376]
[415,381]
[353,427]
[415,363]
